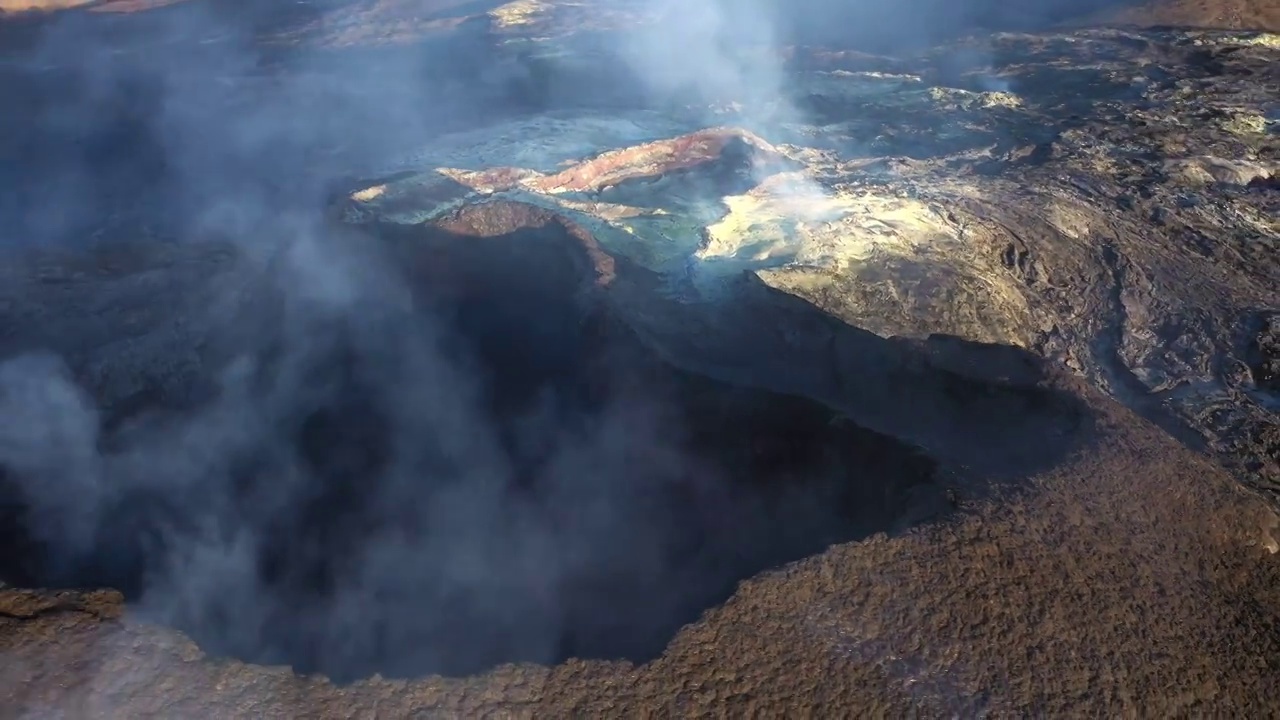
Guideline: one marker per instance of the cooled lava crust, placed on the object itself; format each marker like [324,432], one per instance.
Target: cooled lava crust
[969,417]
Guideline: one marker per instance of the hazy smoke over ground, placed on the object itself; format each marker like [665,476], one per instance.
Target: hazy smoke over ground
[180,125]
[710,53]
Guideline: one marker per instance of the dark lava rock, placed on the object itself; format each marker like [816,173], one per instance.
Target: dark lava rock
[1266,354]
[677,421]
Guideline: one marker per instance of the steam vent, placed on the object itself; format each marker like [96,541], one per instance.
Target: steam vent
[937,379]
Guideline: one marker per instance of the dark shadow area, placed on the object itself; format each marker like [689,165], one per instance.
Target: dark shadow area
[989,412]
[1262,350]
[693,486]
[581,497]
[474,459]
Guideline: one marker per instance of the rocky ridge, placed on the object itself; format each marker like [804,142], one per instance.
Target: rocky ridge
[1105,199]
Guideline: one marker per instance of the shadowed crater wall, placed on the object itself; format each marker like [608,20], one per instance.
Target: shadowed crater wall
[461,455]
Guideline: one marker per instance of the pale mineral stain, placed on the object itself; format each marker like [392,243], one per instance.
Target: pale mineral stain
[520,12]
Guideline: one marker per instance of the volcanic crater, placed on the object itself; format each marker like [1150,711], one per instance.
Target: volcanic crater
[576,407]
[584,495]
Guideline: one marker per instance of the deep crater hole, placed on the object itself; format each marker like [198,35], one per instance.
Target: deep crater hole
[504,472]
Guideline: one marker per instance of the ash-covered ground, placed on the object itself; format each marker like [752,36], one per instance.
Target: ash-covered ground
[899,370]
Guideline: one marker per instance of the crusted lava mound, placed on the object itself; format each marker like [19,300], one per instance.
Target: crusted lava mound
[1045,191]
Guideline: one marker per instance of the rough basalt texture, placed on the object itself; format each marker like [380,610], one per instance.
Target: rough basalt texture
[1106,199]
[1103,198]
[1134,580]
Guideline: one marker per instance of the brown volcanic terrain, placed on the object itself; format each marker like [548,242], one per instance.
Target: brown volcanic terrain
[1222,14]
[939,281]
[1133,580]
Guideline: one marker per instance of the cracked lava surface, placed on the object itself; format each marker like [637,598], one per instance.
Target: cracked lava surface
[985,371]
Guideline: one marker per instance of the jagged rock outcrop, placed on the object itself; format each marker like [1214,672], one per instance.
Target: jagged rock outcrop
[1110,206]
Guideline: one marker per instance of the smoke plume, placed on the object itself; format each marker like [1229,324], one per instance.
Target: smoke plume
[338,396]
